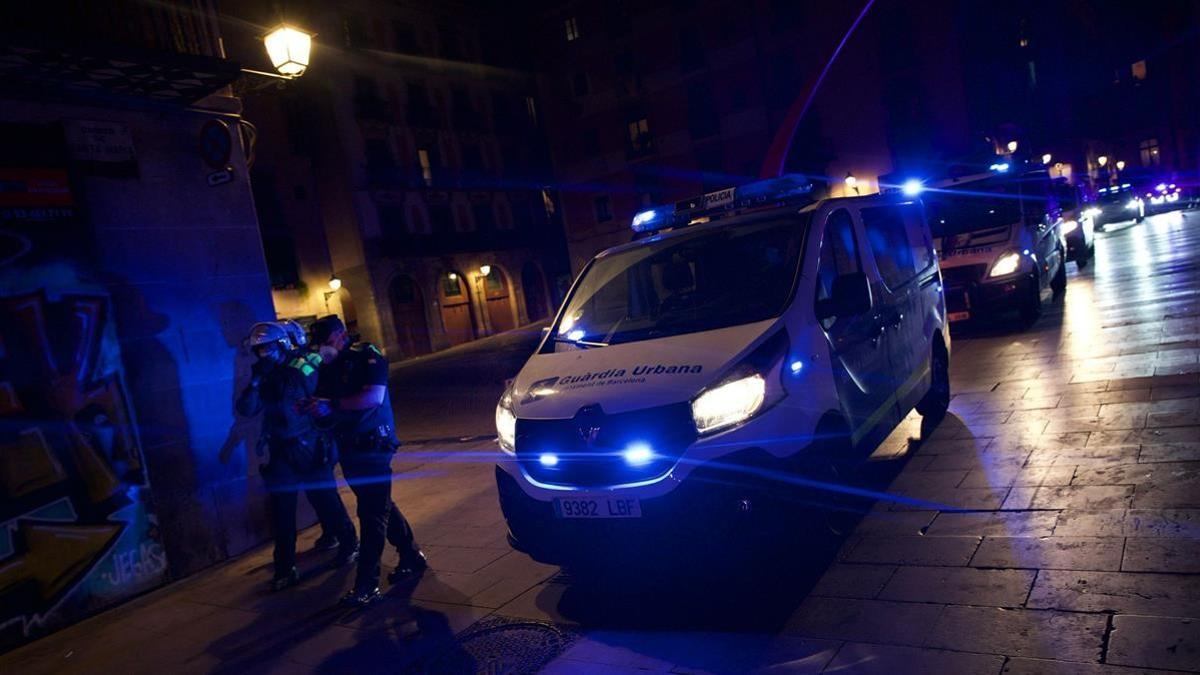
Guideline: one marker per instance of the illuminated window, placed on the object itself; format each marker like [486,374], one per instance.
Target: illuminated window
[426,168]
[572,28]
[639,136]
[1149,151]
[1138,70]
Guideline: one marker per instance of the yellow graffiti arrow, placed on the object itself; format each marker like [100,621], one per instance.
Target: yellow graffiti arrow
[56,555]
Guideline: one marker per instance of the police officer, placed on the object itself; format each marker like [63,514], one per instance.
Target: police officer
[298,357]
[353,393]
[300,457]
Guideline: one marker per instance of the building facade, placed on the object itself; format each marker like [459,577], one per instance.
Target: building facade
[131,269]
[651,103]
[409,163]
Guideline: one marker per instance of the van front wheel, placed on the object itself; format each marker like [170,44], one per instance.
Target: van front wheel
[936,401]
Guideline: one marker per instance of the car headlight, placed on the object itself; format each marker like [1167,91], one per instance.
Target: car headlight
[506,424]
[1006,264]
[729,403]
[1070,226]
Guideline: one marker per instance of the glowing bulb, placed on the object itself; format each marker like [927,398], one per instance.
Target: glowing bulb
[1012,146]
[485,270]
[548,459]
[1046,158]
[334,283]
[289,50]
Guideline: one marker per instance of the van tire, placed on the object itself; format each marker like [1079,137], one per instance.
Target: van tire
[832,461]
[936,401]
[1031,308]
[1082,260]
[1059,283]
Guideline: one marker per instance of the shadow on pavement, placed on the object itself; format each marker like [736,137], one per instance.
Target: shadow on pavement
[705,612]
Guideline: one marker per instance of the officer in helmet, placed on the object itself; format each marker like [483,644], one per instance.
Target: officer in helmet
[353,395]
[298,356]
[300,458]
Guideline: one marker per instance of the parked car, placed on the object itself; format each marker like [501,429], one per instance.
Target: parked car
[698,380]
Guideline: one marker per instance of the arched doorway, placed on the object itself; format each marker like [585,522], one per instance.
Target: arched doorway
[499,305]
[408,315]
[456,308]
[534,287]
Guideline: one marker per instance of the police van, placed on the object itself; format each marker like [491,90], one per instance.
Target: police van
[1000,244]
[730,361]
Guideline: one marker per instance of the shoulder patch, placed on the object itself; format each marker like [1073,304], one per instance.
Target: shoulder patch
[375,349]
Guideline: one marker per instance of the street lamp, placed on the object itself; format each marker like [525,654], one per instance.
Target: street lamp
[1120,165]
[289,49]
[1046,158]
[1102,160]
[485,270]
[1012,146]
[851,182]
[334,283]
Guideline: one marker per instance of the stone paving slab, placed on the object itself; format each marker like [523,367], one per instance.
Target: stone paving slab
[1086,591]
[1147,554]
[1155,642]
[1022,666]
[1064,636]
[913,550]
[902,623]
[1048,553]
[959,585]
[872,659]
[993,523]
[853,581]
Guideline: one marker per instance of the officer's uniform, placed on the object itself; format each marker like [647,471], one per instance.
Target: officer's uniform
[366,441]
[301,458]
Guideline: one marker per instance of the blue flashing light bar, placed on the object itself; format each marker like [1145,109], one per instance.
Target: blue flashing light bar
[772,190]
[999,168]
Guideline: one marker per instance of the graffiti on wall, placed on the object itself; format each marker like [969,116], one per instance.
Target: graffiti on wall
[77,531]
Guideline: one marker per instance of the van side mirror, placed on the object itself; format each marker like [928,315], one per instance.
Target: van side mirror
[851,294]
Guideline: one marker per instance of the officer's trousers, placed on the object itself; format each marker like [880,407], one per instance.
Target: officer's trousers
[284,484]
[370,477]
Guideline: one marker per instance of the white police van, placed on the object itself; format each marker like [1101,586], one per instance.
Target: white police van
[750,340]
[1000,243]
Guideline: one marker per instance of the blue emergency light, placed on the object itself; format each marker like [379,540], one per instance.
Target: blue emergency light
[782,190]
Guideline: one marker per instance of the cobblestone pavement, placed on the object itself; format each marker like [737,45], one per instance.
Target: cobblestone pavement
[1067,538]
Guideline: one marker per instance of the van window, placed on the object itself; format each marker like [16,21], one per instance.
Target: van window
[918,236]
[698,280]
[887,237]
[839,255]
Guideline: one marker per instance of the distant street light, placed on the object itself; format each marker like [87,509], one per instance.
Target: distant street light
[1012,146]
[1102,160]
[1046,158]
[334,283]
[852,182]
[1120,165]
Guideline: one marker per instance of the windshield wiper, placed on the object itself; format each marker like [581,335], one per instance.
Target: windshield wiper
[583,344]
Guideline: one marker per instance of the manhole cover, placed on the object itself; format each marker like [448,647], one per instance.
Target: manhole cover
[499,646]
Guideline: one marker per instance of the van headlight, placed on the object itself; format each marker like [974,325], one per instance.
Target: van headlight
[729,403]
[506,424]
[1006,264]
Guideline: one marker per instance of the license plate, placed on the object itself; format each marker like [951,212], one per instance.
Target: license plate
[958,316]
[599,507]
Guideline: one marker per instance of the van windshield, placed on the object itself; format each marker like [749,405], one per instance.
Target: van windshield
[713,278]
[951,214]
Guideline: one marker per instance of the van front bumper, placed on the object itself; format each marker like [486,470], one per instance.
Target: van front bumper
[707,508]
[970,296]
